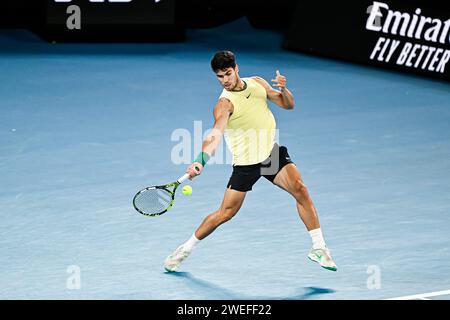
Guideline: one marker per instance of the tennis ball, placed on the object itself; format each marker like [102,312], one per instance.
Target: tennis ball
[187,190]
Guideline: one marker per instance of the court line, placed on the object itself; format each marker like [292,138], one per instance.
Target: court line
[423,296]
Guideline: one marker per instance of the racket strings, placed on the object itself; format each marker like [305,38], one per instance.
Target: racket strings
[153,200]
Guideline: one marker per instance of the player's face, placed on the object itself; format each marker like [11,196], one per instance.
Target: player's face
[228,78]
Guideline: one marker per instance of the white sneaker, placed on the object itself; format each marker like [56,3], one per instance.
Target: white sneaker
[175,259]
[323,257]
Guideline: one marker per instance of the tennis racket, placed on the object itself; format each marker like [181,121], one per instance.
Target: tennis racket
[156,200]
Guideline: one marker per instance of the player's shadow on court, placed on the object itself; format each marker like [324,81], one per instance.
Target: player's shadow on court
[213,291]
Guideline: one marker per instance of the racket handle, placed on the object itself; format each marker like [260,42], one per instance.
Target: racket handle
[183,178]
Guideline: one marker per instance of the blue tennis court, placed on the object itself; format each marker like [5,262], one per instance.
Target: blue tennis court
[85,126]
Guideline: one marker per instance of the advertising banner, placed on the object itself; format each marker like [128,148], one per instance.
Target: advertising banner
[410,36]
[110,19]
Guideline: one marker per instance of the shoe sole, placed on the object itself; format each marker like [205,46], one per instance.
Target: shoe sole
[328,268]
[170,270]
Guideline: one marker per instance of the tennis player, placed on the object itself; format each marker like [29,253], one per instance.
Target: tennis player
[244,118]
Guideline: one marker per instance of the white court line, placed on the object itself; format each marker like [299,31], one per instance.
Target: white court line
[423,296]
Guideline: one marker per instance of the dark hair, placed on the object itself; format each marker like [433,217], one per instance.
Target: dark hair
[223,60]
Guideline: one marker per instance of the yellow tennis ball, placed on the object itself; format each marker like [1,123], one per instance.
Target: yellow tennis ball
[187,190]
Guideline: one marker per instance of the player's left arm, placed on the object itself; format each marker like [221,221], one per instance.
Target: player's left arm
[281,97]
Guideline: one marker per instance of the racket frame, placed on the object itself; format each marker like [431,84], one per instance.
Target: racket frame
[164,187]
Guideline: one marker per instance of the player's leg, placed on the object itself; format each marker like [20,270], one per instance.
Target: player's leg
[231,204]
[289,179]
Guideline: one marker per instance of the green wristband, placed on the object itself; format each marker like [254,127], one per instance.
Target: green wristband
[202,158]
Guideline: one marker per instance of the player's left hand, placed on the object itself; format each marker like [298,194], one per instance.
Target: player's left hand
[280,81]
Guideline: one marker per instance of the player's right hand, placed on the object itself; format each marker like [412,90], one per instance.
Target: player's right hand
[194,170]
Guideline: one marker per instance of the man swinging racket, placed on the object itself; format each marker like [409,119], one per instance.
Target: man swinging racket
[243,116]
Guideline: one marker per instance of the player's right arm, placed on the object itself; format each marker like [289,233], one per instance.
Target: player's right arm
[222,112]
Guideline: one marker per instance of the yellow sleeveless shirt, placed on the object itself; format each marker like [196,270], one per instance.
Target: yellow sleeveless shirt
[250,132]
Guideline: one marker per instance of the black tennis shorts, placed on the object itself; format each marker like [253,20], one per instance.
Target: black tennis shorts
[244,177]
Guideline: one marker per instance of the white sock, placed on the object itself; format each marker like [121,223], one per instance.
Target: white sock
[191,243]
[317,238]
